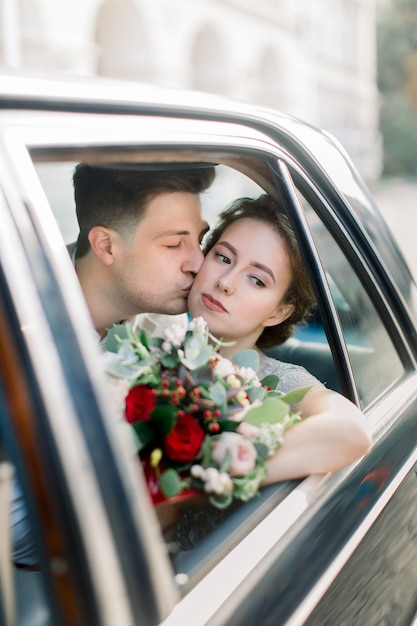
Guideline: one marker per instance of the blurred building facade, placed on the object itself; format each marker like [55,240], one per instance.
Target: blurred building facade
[314,60]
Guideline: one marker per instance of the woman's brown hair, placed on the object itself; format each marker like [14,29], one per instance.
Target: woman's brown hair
[300,291]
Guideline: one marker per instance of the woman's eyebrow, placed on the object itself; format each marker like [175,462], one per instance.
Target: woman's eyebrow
[259,266]
[264,268]
[229,246]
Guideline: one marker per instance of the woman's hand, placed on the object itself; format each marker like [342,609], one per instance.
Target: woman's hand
[331,436]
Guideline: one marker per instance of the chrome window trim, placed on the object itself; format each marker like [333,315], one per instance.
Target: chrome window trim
[231,572]
[225,578]
[98,541]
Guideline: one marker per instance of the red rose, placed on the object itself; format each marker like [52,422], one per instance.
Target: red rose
[185,439]
[140,402]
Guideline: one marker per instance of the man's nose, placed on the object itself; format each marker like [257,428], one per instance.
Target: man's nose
[194,261]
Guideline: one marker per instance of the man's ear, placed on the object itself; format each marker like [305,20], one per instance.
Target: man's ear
[102,242]
[282,312]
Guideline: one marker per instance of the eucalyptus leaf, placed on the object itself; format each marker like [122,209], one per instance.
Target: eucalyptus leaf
[115,335]
[196,359]
[218,393]
[193,346]
[296,395]
[170,360]
[272,411]
[170,483]
[247,358]
[261,449]
[271,381]
[256,393]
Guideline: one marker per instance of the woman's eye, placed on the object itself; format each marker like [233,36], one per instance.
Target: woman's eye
[223,258]
[257,281]
[175,245]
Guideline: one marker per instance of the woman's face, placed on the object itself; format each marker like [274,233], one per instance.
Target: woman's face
[241,284]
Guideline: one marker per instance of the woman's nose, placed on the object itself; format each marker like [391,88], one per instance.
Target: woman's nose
[225,285]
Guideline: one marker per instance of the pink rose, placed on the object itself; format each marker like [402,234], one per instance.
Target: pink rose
[242,451]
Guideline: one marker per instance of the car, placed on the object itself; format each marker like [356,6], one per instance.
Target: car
[334,549]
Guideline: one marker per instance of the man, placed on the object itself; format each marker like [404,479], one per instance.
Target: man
[138,249]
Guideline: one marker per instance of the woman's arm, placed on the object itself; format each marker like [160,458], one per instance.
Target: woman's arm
[331,436]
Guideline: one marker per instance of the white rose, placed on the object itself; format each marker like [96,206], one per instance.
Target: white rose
[243,453]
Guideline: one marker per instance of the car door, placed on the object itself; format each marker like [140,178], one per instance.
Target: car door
[102,554]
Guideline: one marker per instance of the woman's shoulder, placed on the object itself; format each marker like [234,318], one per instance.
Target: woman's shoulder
[290,375]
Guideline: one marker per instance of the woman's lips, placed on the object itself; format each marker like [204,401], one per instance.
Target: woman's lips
[212,304]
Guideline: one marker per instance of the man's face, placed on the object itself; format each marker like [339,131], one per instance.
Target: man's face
[155,268]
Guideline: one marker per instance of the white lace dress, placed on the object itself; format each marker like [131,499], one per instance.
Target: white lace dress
[290,375]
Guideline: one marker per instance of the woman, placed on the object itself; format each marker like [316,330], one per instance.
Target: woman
[251,289]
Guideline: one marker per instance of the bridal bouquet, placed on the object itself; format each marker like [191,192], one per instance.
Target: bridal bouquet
[200,421]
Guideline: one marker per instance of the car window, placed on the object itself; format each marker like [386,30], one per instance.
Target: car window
[375,361]
[203,538]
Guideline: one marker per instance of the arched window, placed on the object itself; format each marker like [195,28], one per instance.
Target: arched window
[270,81]
[122,41]
[209,62]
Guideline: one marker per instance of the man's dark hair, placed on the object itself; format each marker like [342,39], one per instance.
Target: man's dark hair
[300,291]
[117,198]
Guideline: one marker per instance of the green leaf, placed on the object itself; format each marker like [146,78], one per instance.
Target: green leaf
[144,434]
[229,425]
[170,360]
[164,418]
[271,381]
[247,358]
[115,336]
[170,483]
[150,380]
[196,352]
[206,449]
[261,449]
[220,502]
[296,395]
[218,394]
[256,393]
[272,411]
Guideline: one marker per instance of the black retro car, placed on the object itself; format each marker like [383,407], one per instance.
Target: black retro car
[336,549]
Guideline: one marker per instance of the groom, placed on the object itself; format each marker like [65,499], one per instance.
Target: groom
[138,251]
[138,248]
